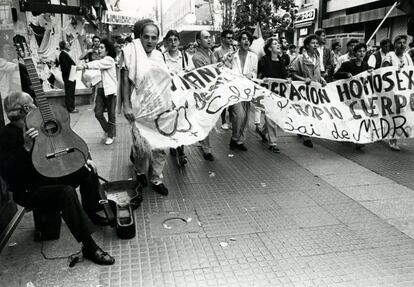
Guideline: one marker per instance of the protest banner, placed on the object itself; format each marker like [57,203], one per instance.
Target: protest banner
[197,100]
[365,108]
[181,109]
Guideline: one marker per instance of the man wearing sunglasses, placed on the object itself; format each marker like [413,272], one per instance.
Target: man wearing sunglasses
[225,48]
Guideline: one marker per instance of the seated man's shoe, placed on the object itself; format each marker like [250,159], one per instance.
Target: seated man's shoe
[142,179]
[208,156]
[241,147]
[160,188]
[308,143]
[98,220]
[233,144]
[98,256]
[74,111]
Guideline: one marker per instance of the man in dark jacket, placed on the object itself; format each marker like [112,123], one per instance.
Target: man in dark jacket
[325,56]
[66,63]
[32,190]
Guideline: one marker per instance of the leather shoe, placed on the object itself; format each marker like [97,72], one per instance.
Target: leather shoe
[98,256]
[74,111]
[208,156]
[233,144]
[98,220]
[160,188]
[241,147]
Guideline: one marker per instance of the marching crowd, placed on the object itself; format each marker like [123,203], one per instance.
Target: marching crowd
[313,62]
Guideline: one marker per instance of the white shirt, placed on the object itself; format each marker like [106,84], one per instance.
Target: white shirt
[250,65]
[320,50]
[394,60]
[175,64]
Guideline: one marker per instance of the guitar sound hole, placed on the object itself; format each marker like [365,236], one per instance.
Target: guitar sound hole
[51,128]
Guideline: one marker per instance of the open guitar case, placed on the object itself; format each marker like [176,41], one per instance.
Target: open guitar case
[119,200]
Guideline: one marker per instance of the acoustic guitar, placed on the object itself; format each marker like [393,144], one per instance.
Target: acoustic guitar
[58,151]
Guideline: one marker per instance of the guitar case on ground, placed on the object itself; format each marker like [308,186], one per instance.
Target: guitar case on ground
[120,199]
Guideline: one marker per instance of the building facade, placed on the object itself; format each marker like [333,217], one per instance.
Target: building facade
[343,20]
[190,16]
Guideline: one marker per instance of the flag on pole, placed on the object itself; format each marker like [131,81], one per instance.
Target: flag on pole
[258,43]
[257,31]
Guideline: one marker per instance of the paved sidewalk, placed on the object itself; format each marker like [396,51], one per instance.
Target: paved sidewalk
[305,217]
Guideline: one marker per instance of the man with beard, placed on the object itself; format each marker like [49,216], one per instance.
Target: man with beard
[397,58]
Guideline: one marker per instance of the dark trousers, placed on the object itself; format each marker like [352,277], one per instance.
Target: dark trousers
[108,103]
[60,194]
[180,150]
[223,116]
[70,94]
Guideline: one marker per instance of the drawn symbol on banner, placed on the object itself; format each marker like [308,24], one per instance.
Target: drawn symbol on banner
[172,121]
[234,98]
[281,105]
[200,100]
[195,134]
[212,109]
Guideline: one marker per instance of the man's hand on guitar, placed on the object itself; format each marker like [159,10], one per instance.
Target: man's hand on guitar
[91,166]
[29,136]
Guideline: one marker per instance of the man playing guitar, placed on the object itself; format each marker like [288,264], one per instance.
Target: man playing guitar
[33,190]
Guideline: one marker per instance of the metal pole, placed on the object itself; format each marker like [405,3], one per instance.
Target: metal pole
[382,22]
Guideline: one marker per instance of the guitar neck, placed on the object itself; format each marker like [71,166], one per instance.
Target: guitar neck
[41,99]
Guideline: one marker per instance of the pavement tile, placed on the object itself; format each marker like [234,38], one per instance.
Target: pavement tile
[283,223]
[377,192]
[350,212]
[355,179]
[404,224]
[391,208]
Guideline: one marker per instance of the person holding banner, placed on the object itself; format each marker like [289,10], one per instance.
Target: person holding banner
[397,58]
[177,61]
[146,38]
[204,57]
[354,67]
[306,68]
[375,60]
[244,63]
[271,66]
[225,48]
[348,56]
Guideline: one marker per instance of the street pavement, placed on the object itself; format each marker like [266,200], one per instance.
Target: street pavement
[327,216]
